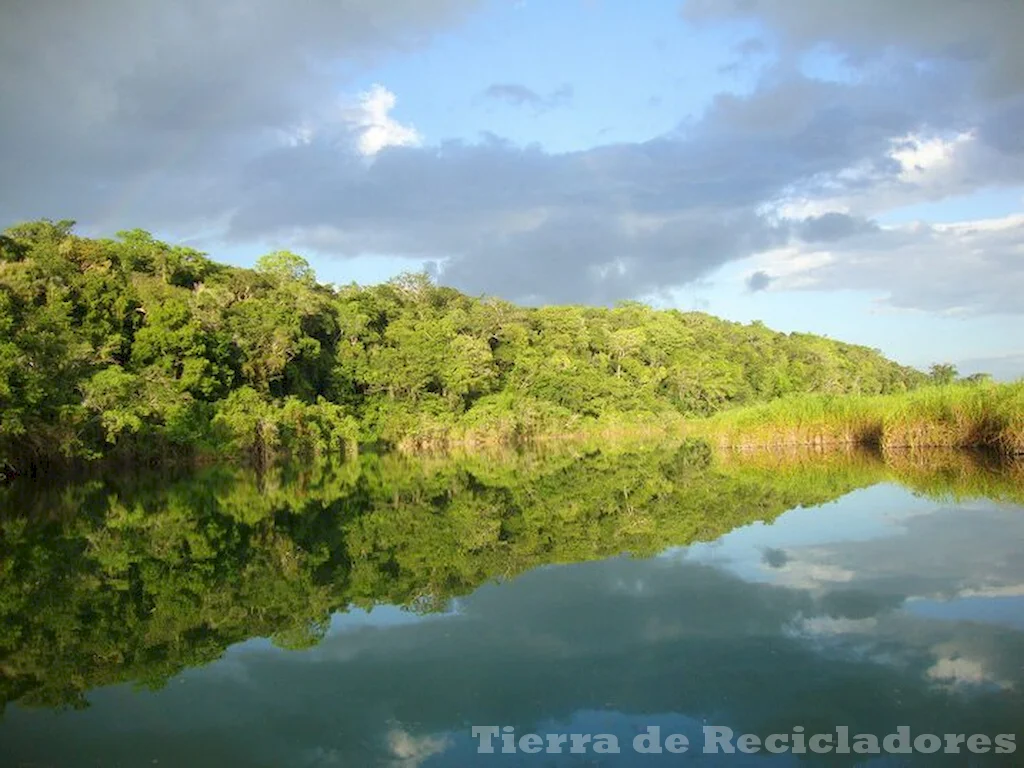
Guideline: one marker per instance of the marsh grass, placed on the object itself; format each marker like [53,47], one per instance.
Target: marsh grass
[987,416]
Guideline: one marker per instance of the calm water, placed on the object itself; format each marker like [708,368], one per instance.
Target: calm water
[373,613]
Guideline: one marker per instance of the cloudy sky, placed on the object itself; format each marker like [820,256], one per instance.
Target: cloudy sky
[848,168]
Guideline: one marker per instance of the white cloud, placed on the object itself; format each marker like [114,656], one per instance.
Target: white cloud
[920,157]
[922,168]
[375,128]
[789,268]
[967,268]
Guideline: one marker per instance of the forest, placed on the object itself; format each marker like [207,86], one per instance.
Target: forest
[135,349]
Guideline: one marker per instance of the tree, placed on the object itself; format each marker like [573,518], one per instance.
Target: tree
[943,373]
[286,265]
[133,344]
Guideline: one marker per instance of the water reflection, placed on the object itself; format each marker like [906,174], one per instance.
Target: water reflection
[870,604]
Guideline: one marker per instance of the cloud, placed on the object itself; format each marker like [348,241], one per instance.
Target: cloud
[915,168]
[967,268]
[588,226]
[983,36]
[595,225]
[748,53]
[149,110]
[795,165]
[833,226]
[752,46]
[375,128]
[519,95]
[202,115]
[758,281]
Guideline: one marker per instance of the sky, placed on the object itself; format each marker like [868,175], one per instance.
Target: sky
[854,169]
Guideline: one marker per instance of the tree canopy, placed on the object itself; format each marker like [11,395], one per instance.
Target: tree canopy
[134,347]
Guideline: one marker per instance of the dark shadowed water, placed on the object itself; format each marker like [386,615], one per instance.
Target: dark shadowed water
[374,613]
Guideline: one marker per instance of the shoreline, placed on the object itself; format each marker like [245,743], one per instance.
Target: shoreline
[987,417]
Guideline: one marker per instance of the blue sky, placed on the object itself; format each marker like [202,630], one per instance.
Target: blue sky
[635,73]
[851,168]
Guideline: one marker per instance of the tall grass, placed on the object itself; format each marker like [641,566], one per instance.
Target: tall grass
[955,416]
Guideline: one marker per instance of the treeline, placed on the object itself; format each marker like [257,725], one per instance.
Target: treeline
[135,348]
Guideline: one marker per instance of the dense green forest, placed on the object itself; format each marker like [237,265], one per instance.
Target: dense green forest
[135,348]
[133,577]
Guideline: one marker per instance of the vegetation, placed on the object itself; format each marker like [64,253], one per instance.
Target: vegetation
[123,577]
[978,415]
[133,348]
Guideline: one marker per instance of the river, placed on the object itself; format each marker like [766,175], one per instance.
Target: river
[378,611]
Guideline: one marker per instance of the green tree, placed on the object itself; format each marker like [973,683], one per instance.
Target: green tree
[133,346]
[286,265]
[943,373]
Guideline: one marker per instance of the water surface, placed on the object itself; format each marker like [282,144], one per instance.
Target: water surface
[372,613]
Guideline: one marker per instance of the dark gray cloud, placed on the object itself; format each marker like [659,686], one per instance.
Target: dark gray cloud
[830,227]
[984,34]
[758,281]
[748,52]
[1003,128]
[588,226]
[519,95]
[974,46]
[112,101]
[774,557]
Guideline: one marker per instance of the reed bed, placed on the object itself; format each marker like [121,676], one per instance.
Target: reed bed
[956,416]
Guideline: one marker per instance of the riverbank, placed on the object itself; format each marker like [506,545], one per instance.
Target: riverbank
[528,426]
[988,416]
[984,416]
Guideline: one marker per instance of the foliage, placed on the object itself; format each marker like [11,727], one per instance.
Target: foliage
[135,348]
[943,373]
